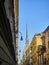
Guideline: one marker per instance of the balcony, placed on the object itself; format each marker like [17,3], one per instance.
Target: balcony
[41,49]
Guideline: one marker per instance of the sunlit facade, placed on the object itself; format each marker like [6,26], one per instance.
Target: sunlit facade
[45,41]
[36,41]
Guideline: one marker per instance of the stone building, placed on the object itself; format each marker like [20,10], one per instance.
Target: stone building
[40,48]
[8,33]
[36,41]
[45,43]
[30,54]
[43,50]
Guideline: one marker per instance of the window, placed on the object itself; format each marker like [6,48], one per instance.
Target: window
[48,59]
[48,34]
[31,57]
[48,44]
[44,61]
[31,48]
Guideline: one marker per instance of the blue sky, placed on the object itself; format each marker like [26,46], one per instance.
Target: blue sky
[34,13]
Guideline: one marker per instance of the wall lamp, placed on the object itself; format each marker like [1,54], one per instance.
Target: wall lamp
[21,35]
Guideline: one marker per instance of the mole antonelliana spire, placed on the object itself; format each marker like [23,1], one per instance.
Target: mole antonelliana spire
[27,42]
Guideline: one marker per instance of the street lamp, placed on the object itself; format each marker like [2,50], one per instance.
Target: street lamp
[21,35]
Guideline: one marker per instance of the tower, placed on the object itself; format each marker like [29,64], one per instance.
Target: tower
[27,42]
[26,45]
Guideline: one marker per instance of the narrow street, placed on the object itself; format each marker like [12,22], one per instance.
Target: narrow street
[24,32]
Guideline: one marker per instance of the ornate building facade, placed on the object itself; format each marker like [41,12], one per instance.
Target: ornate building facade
[40,48]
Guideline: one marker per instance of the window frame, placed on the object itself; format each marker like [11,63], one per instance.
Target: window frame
[48,44]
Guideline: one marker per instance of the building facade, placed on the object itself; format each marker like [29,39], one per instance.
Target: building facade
[40,48]
[7,33]
[30,56]
[45,42]
[15,2]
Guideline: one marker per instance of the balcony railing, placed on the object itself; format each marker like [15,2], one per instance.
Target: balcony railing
[41,49]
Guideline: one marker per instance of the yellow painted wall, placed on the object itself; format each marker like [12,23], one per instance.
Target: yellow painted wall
[47,49]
